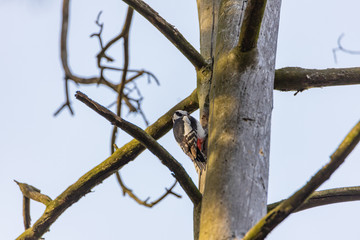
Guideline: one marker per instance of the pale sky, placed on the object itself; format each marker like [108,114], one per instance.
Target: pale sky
[52,153]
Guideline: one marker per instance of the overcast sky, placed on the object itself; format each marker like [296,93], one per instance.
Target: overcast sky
[52,153]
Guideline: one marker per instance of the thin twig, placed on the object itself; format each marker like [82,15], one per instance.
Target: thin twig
[120,87]
[145,203]
[128,103]
[138,102]
[278,214]
[125,36]
[341,48]
[102,54]
[148,73]
[126,66]
[63,40]
[140,73]
[170,32]
[98,35]
[67,100]
[150,143]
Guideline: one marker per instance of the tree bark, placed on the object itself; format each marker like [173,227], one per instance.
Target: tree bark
[239,125]
[208,15]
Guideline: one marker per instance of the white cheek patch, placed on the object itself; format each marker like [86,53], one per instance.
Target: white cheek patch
[187,125]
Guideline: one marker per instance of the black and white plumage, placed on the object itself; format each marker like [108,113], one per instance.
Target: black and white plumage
[191,137]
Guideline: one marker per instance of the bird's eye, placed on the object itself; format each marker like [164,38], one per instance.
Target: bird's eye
[178,114]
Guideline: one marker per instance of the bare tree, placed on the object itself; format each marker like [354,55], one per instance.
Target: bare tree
[235,80]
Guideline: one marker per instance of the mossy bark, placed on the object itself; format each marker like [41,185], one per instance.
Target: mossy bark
[240,105]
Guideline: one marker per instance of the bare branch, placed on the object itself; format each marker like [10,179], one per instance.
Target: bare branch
[299,79]
[94,80]
[170,32]
[33,193]
[26,212]
[98,35]
[63,41]
[150,143]
[124,31]
[125,36]
[64,51]
[30,192]
[286,79]
[67,100]
[325,197]
[64,55]
[145,203]
[101,79]
[139,72]
[251,24]
[278,214]
[126,65]
[105,169]
[294,78]
[138,108]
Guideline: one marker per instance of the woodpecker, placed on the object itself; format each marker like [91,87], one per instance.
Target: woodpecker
[191,137]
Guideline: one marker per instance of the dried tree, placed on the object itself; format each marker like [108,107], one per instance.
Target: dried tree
[235,80]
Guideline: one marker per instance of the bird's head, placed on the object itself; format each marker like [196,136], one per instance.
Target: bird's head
[179,114]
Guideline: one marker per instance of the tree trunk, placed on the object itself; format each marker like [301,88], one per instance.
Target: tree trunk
[208,15]
[240,104]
